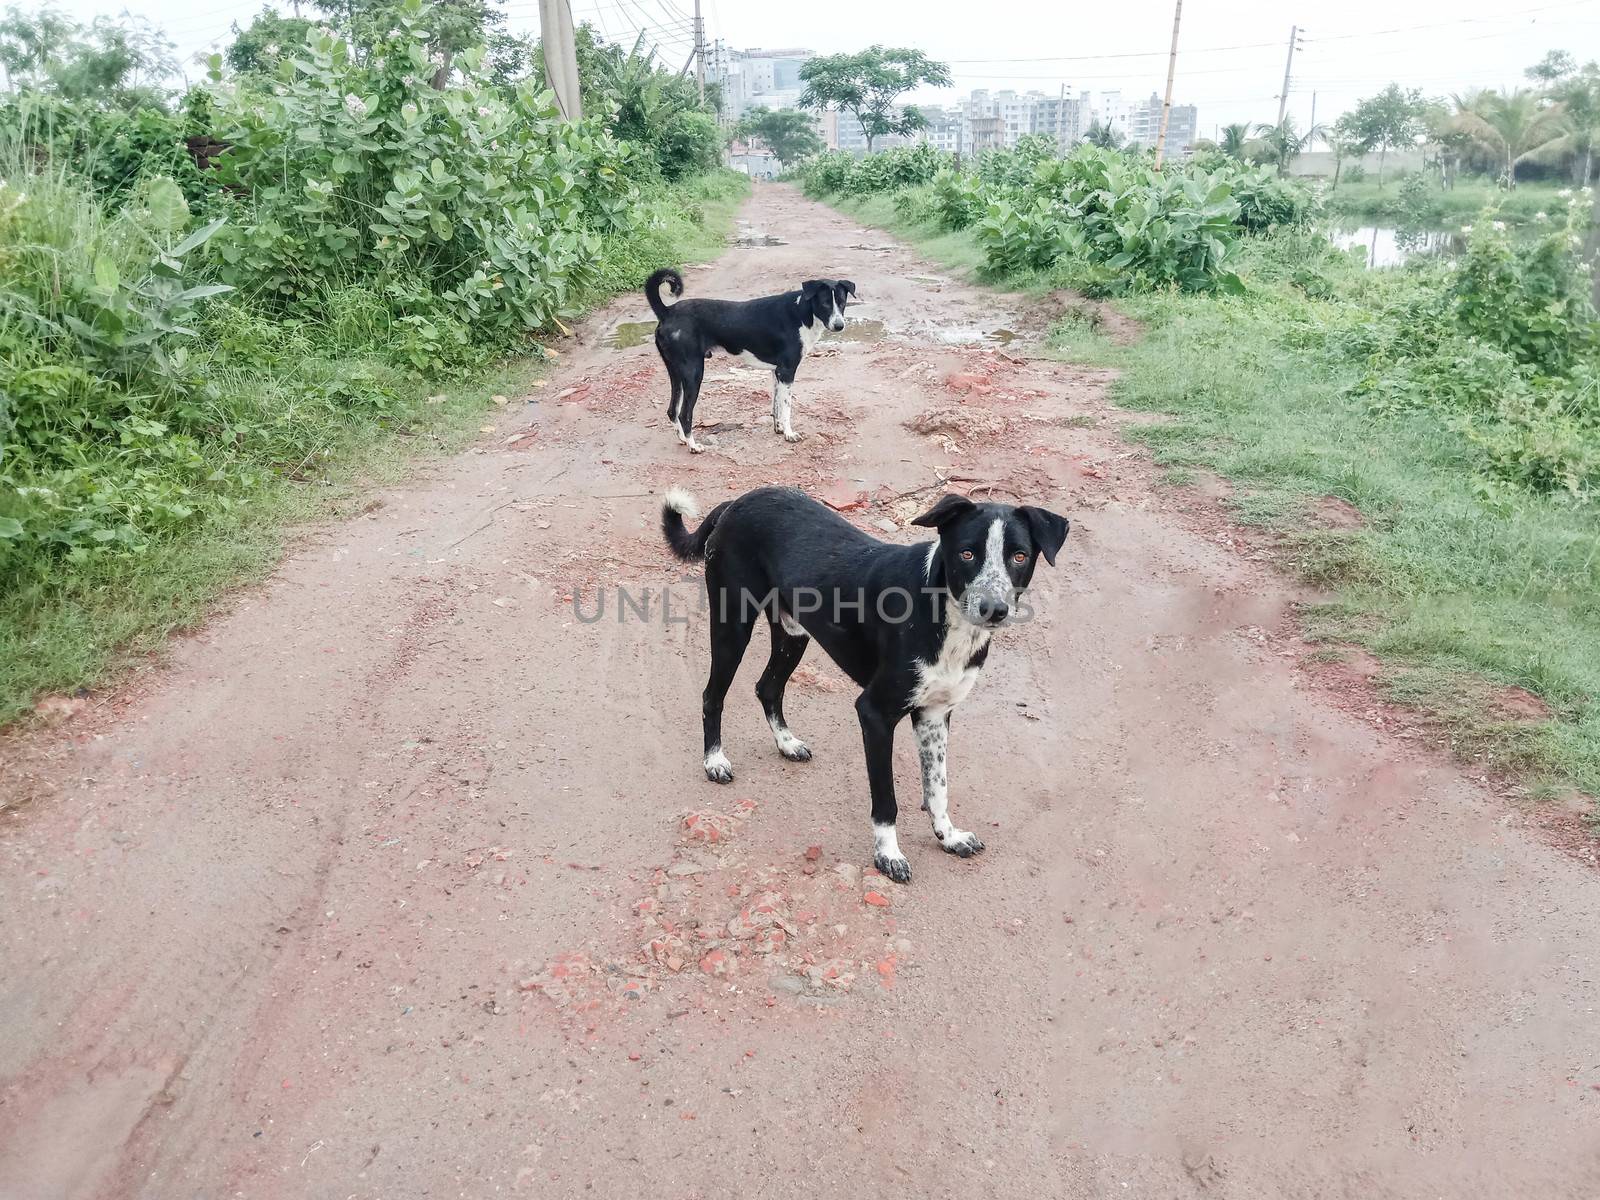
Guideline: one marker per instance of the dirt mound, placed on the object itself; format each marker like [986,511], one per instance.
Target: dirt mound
[957,421]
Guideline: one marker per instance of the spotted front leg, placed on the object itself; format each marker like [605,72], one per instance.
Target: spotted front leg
[933,738]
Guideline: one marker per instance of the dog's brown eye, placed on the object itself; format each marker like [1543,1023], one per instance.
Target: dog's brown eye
[1021,556]
[966,556]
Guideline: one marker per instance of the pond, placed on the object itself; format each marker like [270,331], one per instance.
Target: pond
[1386,246]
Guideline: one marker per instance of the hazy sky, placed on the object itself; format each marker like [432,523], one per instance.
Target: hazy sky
[1230,55]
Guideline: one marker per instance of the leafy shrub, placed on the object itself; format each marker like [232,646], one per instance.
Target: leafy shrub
[1531,301]
[958,199]
[1153,229]
[359,170]
[1267,200]
[1021,239]
[837,172]
[1354,173]
[1013,169]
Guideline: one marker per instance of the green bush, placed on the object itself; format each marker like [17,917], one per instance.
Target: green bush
[467,207]
[1017,240]
[1533,301]
[1151,228]
[958,199]
[1269,201]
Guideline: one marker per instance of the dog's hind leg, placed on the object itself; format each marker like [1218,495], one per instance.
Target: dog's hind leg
[933,739]
[878,720]
[730,634]
[677,394]
[787,649]
[693,372]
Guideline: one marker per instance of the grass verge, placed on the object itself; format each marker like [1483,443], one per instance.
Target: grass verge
[80,623]
[1459,595]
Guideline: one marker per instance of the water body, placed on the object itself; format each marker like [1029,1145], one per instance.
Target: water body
[1386,246]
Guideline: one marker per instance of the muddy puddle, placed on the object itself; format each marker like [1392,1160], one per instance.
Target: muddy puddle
[629,334]
[967,335]
[748,238]
[861,331]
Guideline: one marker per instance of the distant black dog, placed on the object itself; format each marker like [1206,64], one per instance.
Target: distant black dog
[910,624]
[775,332]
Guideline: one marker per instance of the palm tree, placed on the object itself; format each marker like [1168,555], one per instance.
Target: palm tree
[1105,136]
[1235,141]
[1513,126]
[1281,145]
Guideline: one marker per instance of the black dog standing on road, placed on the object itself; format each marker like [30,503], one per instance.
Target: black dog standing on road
[775,332]
[910,624]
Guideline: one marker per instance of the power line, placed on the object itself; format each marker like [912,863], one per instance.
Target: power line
[1337,37]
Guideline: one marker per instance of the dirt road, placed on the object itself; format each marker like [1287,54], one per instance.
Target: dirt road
[384,887]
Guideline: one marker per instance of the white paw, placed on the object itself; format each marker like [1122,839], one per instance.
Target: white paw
[790,435]
[792,747]
[959,842]
[694,446]
[718,768]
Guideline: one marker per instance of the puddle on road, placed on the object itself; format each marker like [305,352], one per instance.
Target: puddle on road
[629,334]
[861,331]
[970,335]
[748,238]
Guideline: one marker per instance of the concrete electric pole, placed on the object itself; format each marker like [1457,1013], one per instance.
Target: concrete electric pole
[560,56]
[1172,70]
[700,51]
[1283,100]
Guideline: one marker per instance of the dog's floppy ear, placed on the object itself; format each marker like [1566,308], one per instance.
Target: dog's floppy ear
[812,286]
[947,510]
[1049,531]
[848,286]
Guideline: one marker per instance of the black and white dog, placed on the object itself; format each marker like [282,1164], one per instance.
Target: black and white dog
[775,332]
[910,624]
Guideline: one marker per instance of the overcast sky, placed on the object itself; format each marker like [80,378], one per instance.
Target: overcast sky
[1230,55]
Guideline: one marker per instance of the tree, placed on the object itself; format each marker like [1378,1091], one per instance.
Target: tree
[867,85]
[1388,121]
[788,133]
[1343,144]
[266,39]
[1280,144]
[1449,141]
[456,25]
[120,63]
[1552,68]
[1578,94]
[1513,126]
[1107,137]
[1235,141]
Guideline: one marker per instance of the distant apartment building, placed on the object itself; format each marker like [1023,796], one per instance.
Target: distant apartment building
[757,79]
[982,120]
[1144,125]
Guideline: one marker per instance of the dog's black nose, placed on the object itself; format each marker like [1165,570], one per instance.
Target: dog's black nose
[992,612]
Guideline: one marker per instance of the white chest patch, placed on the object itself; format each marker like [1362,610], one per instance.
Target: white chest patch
[945,682]
[809,334]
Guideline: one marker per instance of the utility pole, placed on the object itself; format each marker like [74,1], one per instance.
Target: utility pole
[1283,100]
[699,50]
[1172,69]
[560,56]
[1311,133]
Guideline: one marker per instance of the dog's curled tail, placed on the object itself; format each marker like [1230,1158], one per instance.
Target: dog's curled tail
[675,506]
[652,289]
